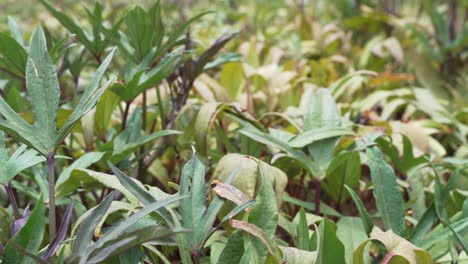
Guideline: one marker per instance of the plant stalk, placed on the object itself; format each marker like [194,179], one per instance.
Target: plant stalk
[11,197]
[52,220]
[387,258]
[125,115]
[317,197]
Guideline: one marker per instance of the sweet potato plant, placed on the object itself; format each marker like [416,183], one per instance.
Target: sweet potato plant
[234,132]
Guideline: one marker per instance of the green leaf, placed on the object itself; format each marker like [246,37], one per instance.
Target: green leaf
[210,52]
[15,30]
[351,233]
[83,178]
[223,59]
[145,29]
[441,233]
[13,57]
[234,249]
[317,134]
[258,233]
[310,206]
[15,126]
[213,209]
[132,138]
[69,24]
[204,120]
[267,139]
[231,77]
[19,161]
[251,171]
[330,249]
[104,110]
[303,232]
[396,246]
[88,100]
[130,239]
[43,89]
[297,256]
[321,112]
[81,163]
[117,232]
[175,35]
[264,215]
[407,161]
[386,191]
[365,217]
[85,231]
[28,237]
[423,226]
[192,209]
[345,169]
[137,189]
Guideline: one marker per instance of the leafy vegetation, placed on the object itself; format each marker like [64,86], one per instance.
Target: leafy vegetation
[244,132]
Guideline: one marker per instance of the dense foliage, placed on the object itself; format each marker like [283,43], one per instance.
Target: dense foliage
[267,131]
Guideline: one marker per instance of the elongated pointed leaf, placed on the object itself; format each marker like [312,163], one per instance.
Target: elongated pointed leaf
[284,146]
[68,23]
[314,135]
[351,233]
[129,240]
[84,178]
[117,230]
[13,57]
[211,52]
[192,184]
[330,250]
[365,217]
[258,233]
[234,249]
[62,232]
[15,126]
[43,89]
[82,162]
[303,232]
[23,251]
[386,191]
[209,217]
[140,193]
[89,99]
[85,232]
[321,111]
[28,237]
[19,161]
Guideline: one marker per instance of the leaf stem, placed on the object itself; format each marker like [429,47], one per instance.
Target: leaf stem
[52,221]
[11,197]
[125,115]
[196,257]
[162,113]
[317,197]
[387,258]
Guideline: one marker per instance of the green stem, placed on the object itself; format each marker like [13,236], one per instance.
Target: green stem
[52,223]
[142,148]
[161,109]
